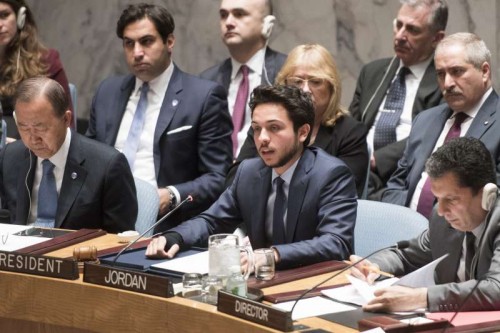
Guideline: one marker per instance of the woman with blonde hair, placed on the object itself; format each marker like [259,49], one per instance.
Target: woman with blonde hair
[311,68]
[22,55]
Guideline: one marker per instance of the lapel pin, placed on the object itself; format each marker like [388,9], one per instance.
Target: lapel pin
[175,102]
[486,122]
[73,175]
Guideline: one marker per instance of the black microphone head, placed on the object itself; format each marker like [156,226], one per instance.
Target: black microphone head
[402,244]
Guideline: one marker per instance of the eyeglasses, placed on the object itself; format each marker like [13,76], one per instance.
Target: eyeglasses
[313,83]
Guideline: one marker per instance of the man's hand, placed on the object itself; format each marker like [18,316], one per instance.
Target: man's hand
[164,195]
[397,298]
[365,270]
[156,249]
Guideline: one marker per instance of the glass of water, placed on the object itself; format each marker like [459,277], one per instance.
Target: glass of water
[264,264]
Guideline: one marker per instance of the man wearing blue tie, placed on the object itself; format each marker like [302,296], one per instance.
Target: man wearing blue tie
[54,177]
[173,127]
[297,199]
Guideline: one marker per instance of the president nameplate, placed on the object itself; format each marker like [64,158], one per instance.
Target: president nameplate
[254,311]
[39,265]
[128,280]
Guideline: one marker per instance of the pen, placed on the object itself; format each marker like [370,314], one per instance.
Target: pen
[372,269]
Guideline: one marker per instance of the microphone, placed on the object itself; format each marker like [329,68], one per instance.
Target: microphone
[188,199]
[399,245]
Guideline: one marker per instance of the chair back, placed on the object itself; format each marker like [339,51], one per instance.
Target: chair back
[149,204]
[380,224]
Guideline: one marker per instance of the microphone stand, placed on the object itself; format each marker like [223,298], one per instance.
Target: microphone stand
[188,199]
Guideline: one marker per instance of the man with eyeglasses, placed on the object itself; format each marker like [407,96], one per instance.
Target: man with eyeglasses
[391,92]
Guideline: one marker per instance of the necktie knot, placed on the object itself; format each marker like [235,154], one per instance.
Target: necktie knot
[244,70]
[47,167]
[279,183]
[470,244]
[460,117]
[402,73]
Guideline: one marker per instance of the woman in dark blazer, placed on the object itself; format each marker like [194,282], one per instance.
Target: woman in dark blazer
[312,68]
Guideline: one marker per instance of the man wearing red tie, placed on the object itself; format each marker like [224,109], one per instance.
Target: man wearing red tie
[464,75]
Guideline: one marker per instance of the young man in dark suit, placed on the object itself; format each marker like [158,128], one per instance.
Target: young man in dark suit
[173,127]
[314,222]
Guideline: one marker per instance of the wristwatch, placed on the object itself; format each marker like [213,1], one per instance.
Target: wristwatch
[173,199]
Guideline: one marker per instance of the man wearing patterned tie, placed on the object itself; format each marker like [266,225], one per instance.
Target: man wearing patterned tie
[391,92]
[173,127]
[54,177]
[246,27]
[464,75]
[466,229]
[297,199]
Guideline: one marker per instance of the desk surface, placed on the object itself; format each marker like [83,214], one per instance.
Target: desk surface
[39,304]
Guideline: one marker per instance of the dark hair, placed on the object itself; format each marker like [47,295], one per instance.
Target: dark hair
[160,16]
[467,158]
[32,88]
[298,104]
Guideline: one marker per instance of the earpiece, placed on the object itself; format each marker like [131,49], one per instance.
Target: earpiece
[267,26]
[21,18]
[14,116]
[489,196]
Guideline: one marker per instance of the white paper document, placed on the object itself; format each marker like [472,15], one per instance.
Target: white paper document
[359,292]
[196,263]
[313,307]
[10,242]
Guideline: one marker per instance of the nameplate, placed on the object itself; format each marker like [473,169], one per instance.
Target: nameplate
[38,265]
[254,311]
[120,278]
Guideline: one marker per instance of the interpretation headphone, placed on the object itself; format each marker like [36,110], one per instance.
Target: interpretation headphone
[489,196]
[267,26]
[21,17]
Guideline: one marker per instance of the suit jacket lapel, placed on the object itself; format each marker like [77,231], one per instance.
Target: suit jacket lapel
[225,74]
[427,86]
[23,201]
[485,118]
[269,69]
[171,102]
[73,180]
[297,193]
[371,112]
[261,188]
[112,125]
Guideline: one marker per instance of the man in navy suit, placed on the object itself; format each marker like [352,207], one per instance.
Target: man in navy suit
[464,75]
[246,26]
[54,177]
[173,127]
[316,220]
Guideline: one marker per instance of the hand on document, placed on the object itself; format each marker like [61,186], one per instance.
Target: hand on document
[397,298]
[156,249]
[365,270]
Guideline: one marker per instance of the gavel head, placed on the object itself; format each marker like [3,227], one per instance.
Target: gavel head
[85,253]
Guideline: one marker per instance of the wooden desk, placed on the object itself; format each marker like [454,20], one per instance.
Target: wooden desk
[39,304]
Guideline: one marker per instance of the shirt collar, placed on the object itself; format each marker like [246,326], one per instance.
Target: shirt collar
[255,63]
[59,158]
[418,69]
[287,175]
[475,109]
[159,84]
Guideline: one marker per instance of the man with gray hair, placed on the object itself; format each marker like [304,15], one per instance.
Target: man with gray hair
[464,75]
[390,92]
[54,177]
